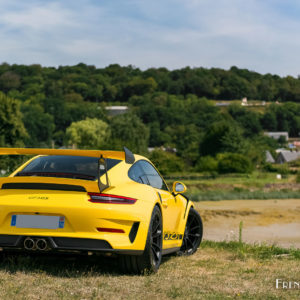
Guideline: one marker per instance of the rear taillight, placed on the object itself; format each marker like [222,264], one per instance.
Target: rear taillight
[113,199]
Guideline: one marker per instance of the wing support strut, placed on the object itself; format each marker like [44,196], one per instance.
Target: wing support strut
[102,166]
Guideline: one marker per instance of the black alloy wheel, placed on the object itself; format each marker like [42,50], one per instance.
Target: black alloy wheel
[192,234]
[156,240]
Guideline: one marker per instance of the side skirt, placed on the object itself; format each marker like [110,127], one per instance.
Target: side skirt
[170,250]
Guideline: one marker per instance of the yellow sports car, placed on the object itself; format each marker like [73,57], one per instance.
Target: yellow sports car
[96,201]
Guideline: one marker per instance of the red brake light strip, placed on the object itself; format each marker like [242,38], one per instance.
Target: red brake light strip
[112,199]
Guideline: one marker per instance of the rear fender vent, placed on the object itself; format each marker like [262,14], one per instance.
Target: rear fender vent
[133,231]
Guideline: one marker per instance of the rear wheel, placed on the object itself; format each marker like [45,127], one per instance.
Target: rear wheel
[192,234]
[150,260]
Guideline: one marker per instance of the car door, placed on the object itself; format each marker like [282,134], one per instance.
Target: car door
[171,210]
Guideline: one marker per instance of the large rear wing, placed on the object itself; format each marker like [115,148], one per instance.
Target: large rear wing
[127,155]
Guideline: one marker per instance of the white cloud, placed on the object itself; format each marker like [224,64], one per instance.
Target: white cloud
[252,34]
[38,18]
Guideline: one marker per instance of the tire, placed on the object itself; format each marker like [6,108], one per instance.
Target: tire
[193,233]
[150,260]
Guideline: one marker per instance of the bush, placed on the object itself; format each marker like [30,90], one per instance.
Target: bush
[234,163]
[280,169]
[166,162]
[206,164]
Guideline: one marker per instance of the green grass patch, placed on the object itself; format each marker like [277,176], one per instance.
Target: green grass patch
[255,179]
[241,194]
[257,251]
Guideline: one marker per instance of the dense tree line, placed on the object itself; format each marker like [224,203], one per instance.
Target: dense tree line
[116,83]
[65,106]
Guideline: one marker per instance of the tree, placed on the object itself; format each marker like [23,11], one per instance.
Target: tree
[249,120]
[39,124]
[88,133]
[186,139]
[166,162]
[207,164]
[9,80]
[12,130]
[139,86]
[223,136]
[128,130]
[234,163]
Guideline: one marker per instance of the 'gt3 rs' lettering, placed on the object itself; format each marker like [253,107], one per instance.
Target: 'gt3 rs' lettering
[172,236]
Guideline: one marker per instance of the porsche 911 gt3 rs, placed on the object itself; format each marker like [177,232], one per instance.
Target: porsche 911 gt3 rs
[96,201]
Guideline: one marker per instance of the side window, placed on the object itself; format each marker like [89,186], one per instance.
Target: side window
[137,174]
[154,178]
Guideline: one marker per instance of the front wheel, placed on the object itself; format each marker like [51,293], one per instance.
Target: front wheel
[150,260]
[192,234]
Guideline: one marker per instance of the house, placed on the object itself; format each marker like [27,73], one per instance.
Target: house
[277,135]
[269,157]
[244,101]
[116,110]
[287,156]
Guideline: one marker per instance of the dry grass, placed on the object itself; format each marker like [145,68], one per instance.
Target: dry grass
[216,271]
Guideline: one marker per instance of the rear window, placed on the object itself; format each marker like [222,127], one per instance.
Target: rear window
[77,167]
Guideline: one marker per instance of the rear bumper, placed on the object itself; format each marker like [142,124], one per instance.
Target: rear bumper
[83,219]
[16,242]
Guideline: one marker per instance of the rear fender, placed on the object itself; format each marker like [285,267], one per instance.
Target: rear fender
[181,227]
[150,199]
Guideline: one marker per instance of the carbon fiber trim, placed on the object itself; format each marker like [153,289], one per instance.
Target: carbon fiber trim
[43,186]
[80,244]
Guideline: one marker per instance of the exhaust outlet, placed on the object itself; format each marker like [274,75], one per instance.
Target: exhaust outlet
[29,244]
[41,244]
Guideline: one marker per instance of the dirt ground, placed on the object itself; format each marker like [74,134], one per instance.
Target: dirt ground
[264,221]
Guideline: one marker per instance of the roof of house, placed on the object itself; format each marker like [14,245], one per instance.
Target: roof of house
[289,155]
[269,157]
[276,134]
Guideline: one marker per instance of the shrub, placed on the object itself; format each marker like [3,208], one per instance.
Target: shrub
[206,164]
[166,162]
[281,169]
[234,163]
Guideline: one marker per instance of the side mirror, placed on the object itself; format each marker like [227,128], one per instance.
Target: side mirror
[178,187]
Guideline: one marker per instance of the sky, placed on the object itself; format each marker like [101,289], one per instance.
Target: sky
[260,35]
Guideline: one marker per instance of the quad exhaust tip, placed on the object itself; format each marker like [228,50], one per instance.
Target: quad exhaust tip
[35,244]
[29,244]
[41,244]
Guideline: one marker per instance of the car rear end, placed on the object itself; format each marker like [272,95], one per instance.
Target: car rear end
[51,206]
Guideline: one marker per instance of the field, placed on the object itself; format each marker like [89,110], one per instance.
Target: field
[264,221]
[258,185]
[216,271]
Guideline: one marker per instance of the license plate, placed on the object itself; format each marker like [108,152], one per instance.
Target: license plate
[37,221]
